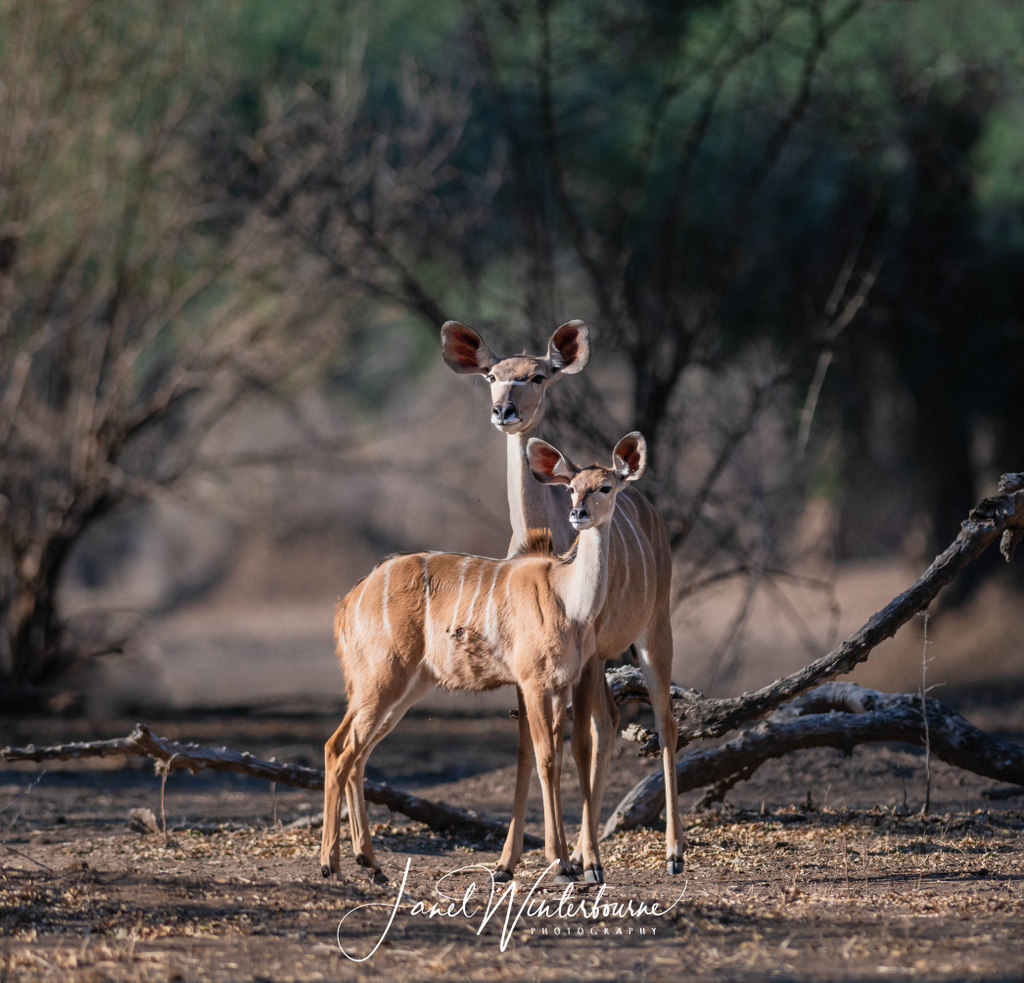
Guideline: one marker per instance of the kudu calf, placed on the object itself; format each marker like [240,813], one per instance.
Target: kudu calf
[420,620]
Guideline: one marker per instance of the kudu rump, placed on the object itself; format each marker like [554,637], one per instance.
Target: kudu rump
[467,622]
[636,610]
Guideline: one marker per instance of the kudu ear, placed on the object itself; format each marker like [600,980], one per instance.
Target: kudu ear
[569,348]
[464,350]
[547,463]
[629,459]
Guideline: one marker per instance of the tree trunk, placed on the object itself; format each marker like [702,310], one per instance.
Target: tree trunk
[35,632]
[34,629]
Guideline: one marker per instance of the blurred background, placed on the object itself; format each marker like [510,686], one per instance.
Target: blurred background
[231,229]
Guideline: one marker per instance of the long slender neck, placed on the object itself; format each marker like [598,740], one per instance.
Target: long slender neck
[532,505]
[583,583]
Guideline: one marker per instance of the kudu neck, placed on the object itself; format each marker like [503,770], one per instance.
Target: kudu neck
[583,583]
[531,504]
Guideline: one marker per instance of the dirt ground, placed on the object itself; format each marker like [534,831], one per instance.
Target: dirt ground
[819,868]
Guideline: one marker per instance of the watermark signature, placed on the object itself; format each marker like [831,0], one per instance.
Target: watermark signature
[574,914]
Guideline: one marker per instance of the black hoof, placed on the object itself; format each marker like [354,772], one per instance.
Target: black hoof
[501,875]
[362,861]
[377,876]
[595,874]
[674,865]
[325,870]
[566,877]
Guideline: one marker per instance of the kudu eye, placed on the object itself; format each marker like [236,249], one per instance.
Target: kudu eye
[537,379]
[490,377]
[605,489]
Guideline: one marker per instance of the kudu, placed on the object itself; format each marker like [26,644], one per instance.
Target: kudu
[636,611]
[420,620]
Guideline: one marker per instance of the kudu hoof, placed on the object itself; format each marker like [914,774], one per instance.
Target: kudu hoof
[325,870]
[674,865]
[501,875]
[566,875]
[594,874]
[377,876]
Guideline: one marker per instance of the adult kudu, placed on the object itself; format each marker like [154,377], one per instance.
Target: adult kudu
[635,611]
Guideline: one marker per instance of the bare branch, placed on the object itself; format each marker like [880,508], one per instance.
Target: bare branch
[196,757]
[838,715]
[992,518]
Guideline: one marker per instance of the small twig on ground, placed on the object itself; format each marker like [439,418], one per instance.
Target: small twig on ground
[165,771]
[38,863]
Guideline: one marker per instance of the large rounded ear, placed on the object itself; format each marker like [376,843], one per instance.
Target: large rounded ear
[629,459]
[569,348]
[464,350]
[547,463]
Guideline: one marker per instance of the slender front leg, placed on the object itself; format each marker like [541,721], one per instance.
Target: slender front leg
[513,848]
[604,719]
[546,713]
[585,856]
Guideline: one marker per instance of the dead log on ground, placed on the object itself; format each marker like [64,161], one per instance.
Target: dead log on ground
[196,757]
[1000,517]
[838,715]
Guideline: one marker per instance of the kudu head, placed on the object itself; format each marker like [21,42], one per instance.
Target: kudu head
[593,490]
[518,382]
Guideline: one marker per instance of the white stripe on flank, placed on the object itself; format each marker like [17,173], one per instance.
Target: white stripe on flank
[458,599]
[358,626]
[426,590]
[508,599]
[640,546]
[617,527]
[384,601]
[471,613]
[488,629]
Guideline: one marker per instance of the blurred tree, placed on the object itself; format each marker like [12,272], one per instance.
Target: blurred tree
[776,215]
[736,196]
[126,326]
[619,163]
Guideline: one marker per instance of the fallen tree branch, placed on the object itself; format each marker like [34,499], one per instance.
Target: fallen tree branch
[838,715]
[196,757]
[1000,517]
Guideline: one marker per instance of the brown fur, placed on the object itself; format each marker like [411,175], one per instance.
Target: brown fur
[467,622]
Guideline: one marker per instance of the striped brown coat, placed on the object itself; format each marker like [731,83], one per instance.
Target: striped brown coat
[421,620]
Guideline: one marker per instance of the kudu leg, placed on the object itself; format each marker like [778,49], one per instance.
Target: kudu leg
[655,656]
[338,762]
[345,756]
[513,848]
[593,734]
[546,715]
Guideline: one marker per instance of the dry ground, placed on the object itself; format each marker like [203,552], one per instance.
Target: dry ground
[819,868]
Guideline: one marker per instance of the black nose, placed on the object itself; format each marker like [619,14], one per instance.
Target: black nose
[578,514]
[504,413]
